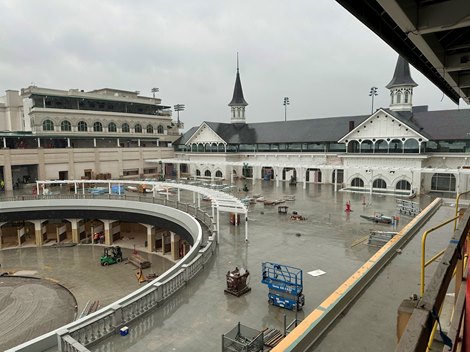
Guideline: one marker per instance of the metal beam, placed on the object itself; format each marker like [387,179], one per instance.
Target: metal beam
[443,16]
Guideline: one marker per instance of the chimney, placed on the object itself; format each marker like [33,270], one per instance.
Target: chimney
[351,126]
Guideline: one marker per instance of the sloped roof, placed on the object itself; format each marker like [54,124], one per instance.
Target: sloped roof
[434,125]
[444,124]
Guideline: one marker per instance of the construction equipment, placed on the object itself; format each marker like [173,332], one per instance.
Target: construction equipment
[111,255]
[285,285]
[141,278]
[237,282]
[139,261]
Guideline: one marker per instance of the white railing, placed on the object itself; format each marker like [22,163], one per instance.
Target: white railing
[108,320]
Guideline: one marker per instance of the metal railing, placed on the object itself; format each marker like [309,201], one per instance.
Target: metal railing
[420,327]
[107,321]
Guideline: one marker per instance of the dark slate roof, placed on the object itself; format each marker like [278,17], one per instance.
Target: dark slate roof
[434,125]
[238,99]
[402,75]
[444,124]
[299,131]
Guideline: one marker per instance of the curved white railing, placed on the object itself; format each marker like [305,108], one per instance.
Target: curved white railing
[106,321]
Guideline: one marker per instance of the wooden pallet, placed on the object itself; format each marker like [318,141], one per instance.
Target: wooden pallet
[139,262]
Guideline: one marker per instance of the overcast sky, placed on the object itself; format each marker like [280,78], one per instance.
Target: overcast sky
[312,51]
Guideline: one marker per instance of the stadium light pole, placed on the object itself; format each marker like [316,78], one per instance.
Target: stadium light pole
[373,93]
[154,90]
[286,102]
[178,108]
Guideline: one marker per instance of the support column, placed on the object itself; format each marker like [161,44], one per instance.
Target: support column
[117,142]
[218,225]
[150,237]
[246,227]
[336,180]
[4,142]
[277,174]
[39,142]
[178,172]
[199,200]
[108,239]
[38,232]
[175,240]
[1,235]
[68,142]
[94,142]
[179,194]
[74,225]
[194,197]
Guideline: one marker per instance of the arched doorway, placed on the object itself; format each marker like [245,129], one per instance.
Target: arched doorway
[357,182]
[379,183]
[313,175]
[267,173]
[340,174]
[403,185]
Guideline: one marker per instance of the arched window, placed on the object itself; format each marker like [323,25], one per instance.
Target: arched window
[398,97]
[97,127]
[47,125]
[407,97]
[443,182]
[160,129]
[198,172]
[65,126]
[125,128]
[381,146]
[112,127]
[353,147]
[411,146]
[218,173]
[357,182]
[149,129]
[379,183]
[366,147]
[395,146]
[207,173]
[82,126]
[403,185]
[138,128]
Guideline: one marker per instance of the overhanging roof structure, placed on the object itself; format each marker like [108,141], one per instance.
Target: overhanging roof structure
[432,35]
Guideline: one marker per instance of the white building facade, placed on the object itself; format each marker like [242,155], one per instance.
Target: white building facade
[397,150]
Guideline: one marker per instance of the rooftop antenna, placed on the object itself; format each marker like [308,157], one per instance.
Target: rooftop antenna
[237,61]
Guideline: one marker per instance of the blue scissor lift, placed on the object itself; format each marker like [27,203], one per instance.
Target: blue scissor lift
[285,285]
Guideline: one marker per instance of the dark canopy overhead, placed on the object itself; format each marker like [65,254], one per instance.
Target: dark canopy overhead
[432,35]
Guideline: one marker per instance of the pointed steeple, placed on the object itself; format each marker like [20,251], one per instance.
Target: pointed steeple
[238,102]
[401,87]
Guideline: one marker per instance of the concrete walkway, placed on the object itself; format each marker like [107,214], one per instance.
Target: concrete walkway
[196,317]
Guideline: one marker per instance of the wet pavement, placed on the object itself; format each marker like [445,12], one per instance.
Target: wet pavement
[196,316]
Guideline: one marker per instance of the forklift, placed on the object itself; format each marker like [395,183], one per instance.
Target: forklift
[285,285]
[111,255]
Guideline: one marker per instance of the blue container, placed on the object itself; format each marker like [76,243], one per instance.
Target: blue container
[124,331]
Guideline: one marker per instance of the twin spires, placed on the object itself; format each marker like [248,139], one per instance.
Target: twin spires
[238,102]
[401,87]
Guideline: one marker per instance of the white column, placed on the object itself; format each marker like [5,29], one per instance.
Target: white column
[199,200]
[336,180]
[179,194]
[94,142]
[4,142]
[194,197]
[138,142]
[246,227]
[118,142]
[39,142]
[68,142]
[218,225]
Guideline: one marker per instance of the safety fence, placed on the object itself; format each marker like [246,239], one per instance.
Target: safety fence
[74,337]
